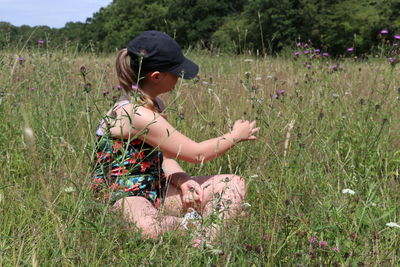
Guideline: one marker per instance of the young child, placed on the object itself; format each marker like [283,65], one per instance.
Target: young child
[137,147]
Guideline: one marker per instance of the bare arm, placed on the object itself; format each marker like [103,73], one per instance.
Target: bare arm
[162,135]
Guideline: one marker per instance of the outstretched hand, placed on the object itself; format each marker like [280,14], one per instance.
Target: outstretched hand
[192,193]
[245,130]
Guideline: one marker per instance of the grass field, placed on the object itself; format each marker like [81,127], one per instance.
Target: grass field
[323,130]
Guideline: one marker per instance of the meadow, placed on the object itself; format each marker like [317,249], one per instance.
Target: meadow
[323,176]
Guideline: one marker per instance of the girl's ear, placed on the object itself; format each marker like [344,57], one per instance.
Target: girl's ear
[155,76]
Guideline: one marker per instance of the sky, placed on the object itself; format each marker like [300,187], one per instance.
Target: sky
[53,13]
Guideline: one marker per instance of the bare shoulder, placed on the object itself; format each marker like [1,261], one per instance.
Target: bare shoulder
[139,115]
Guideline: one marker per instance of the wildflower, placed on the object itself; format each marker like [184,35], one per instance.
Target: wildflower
[350,49]
[69,189]
[308,66]
[384,31]
[325,54]
[82,70]
[279,93]
[248,60]
[33,89]
[336,249]
[397,37]
[317,51]
[313,240]
[348,191]
[118,87]
[40,42]
[298,44]
[105,93]
[21,60]
[296,53]
[392,224]
[391,60]
[334,68]
[306,52]
[323,244]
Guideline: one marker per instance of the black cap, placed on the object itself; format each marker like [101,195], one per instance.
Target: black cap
[159,52]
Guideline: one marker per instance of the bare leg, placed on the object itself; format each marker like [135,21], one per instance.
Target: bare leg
[146,217]
[224,192]
[223,196]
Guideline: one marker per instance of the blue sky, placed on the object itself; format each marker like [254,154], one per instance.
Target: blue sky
[53,13]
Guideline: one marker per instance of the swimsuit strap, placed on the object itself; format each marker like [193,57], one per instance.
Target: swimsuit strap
[125,102]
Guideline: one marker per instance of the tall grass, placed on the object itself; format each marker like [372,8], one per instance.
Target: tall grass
[328,131]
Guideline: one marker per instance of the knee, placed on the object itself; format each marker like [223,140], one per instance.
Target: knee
[239,184]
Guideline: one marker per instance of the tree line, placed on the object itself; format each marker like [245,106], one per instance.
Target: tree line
[237,26]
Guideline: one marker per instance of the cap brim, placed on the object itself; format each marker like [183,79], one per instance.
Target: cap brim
[187,70]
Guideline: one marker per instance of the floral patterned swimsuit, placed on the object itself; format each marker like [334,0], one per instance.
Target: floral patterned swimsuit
[127,168]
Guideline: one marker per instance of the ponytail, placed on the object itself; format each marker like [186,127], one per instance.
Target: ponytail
[128,79]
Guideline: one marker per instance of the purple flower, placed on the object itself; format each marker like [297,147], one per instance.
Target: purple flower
[395,44]
[276,96]
[313,240]
[325,54]
[105,93]
[305,52]
[390,59]
[21,59]
[308,66]
[118,87]
[317,51]
[296,54]
[350,49]
[336,249]
[298,44]
[384,31]
[41,41]
[33,89]
[397,37]
[323,244]
[334,68]
[281,92]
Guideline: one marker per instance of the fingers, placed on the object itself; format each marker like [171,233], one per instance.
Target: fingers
[195,194]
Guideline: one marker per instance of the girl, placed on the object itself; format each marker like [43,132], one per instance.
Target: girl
[137,147]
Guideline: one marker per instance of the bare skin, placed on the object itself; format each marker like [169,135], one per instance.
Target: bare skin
[184,191]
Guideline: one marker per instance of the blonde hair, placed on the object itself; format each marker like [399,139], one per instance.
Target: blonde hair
[128,79]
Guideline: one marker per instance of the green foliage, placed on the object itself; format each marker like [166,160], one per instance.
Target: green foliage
[344,136]
[267,26]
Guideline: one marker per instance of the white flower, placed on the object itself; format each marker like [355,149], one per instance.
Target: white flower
[247,205]
[69,189]
[348,191]
[392,224]
[248,60]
